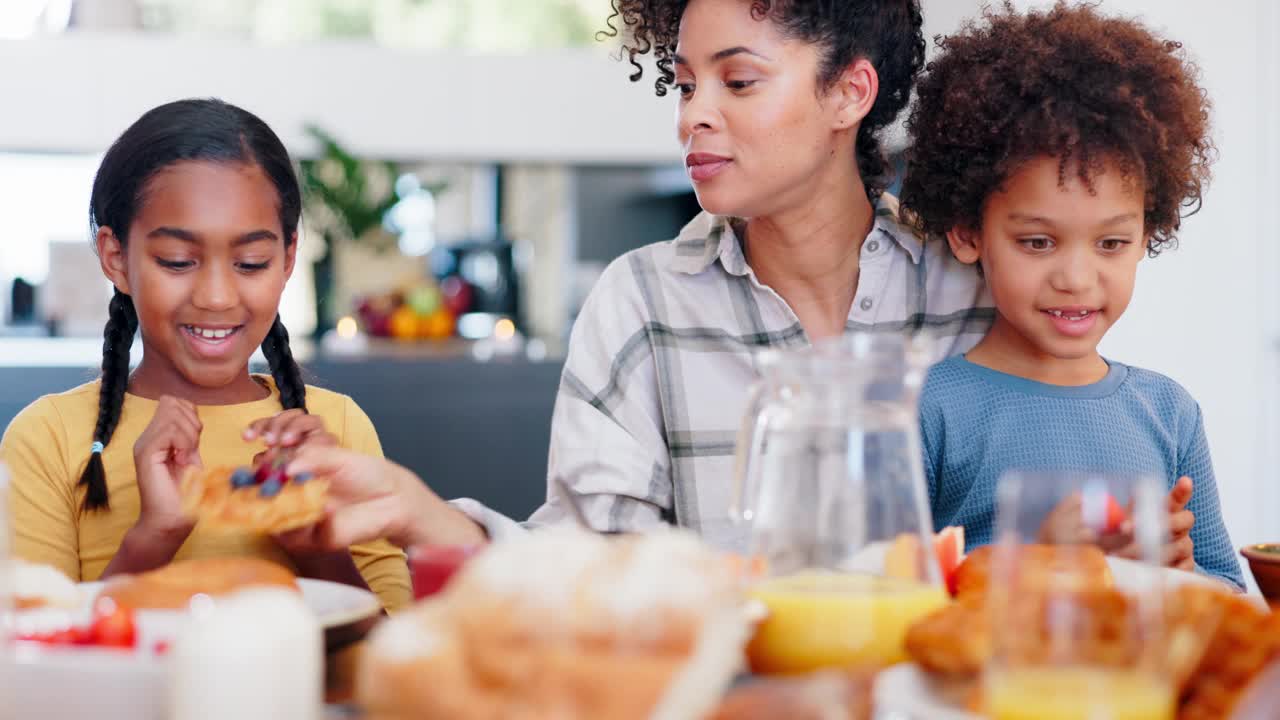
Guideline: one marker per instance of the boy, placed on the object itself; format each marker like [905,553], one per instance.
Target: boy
[1055,149]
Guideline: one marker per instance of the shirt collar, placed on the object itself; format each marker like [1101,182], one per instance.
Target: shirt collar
[708,238]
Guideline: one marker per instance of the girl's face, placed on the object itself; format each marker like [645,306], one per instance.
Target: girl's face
[759,135]
[205,263]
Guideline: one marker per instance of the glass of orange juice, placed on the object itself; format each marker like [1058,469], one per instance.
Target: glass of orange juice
[830,487]
[1068,644]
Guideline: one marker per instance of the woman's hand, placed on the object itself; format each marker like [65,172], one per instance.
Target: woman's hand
[289,429]
[371,498]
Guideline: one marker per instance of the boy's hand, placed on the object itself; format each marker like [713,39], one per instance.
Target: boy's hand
[1065,524]
[1179,549]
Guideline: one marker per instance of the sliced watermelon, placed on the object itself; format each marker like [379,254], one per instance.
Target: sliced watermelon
[903,557]
[1115,516]
[949,547]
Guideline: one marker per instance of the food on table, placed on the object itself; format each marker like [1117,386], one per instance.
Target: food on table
[1060,567]
[433,566]
[263,499]
[956,641]
[827,695]
[818,619]
[37,586]
[111,626]
[1113,515]
[902,560]
[1243,643]
[953,641]
[1215,643]
[565,624]
[174,585]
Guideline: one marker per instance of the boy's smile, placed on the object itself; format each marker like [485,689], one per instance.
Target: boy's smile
[1060,259]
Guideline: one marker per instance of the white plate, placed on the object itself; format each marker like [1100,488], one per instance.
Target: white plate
[905,692]
[333,603]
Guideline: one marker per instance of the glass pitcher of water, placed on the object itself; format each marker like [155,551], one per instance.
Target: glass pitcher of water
[829,482]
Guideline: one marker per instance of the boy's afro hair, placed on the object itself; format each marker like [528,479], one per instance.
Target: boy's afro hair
[1069,83]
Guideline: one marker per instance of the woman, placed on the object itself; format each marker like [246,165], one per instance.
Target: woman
[781,109]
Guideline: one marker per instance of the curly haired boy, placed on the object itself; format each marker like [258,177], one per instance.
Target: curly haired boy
[1056,149]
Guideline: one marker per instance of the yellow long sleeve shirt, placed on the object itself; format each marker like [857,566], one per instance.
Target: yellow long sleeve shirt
[47,446]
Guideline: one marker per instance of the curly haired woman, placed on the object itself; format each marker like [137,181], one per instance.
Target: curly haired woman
[781,109]
[1055,150]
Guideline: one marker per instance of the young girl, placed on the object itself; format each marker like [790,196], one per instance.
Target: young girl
[1056,149]
[195,212]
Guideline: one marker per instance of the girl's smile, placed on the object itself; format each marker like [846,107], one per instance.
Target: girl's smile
[206,264]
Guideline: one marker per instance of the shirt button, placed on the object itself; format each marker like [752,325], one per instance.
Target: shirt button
[866,303]
[873,246]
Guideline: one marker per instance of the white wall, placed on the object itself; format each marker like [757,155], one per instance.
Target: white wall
[77,92]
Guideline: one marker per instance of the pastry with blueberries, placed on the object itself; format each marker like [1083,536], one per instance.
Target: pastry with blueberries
[263,498]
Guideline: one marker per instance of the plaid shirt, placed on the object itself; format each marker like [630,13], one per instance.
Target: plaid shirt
[655,383]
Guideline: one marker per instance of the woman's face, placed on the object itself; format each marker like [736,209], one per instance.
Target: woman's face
[758,133]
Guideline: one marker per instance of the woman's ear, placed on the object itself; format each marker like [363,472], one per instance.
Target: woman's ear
[965,244]
[111,256]
[855,93]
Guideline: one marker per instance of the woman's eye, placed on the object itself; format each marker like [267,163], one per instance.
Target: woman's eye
[174,264]
[739,84]
[1113,244]
[685,89]
[253,267]
[1036,243]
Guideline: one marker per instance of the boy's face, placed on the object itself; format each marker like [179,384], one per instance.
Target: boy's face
[1060,260]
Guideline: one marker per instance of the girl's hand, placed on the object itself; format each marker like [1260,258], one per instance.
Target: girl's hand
[163,453]
[166,450]
[289,429]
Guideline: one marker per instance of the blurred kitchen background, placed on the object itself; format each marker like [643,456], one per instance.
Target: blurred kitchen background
[474,164]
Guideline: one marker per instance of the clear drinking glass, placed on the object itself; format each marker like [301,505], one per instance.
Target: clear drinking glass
[1078,635]
[830,484]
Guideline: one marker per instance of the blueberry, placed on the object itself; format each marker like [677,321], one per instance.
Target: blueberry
[270,488]
[300,478]
[242,477]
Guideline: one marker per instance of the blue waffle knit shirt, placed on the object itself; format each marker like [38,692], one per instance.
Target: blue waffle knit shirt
[977,423]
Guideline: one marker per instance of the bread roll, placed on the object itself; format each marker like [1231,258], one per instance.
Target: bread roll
[173,586]
[568,625]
